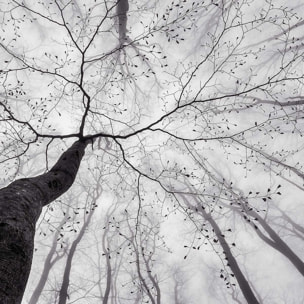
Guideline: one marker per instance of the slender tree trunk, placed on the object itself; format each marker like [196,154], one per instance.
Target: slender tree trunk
[48,264]
[63,293]
[140,276]
[277,243]
[21,203]
[144,287]
[273,239]
[152,279]
[242,281]
[176,301]
[109,270]
[291,221]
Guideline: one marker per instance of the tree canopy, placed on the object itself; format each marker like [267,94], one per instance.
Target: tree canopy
[191,184]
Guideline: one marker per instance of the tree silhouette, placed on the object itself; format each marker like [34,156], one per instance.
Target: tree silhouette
[159,102]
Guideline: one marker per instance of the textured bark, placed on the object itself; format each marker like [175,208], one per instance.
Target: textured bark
[21,203]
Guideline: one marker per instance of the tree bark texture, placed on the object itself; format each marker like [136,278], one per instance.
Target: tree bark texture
[21,203]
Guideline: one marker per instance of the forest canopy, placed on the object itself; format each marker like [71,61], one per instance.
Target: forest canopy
[190,118]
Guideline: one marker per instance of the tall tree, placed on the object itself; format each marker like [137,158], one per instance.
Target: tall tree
[21,203]
[162,89]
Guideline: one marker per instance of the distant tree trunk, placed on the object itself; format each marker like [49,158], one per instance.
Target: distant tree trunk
[48,264]
[295,225]
[63,293]
[122,10]
[151,277]
[272,239]
[109,269]
[21,203]
[276,242]
[243,283]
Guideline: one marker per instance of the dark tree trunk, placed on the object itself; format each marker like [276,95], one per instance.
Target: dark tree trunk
[122,10]
[21,203]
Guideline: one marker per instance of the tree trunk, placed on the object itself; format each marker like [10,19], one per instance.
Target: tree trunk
[21,203]
[122,10]
[63,293]
[233,264]
[273,239]
[48,264]
[109,269]
[277,243]
[242,281]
